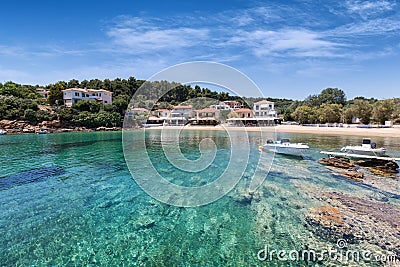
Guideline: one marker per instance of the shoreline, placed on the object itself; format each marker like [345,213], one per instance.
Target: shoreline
[353,131]
[364,132]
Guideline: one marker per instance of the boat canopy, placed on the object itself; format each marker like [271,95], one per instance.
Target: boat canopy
[366,141]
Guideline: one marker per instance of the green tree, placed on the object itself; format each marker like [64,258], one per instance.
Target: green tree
[73,83]
[327,96]
[87,105]
[85,119]
[383,110]
[67,114]
[108,119]
[44,115]
[55,95]
[332,96]
[30,116]
[287,113]
[18,90]
[305,114]
[363,110]
[120,105]
[330,113]
[348,115]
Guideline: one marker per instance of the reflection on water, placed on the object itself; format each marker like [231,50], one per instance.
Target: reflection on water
[95,214]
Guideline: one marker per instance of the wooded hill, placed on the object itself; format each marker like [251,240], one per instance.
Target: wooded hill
[23,102]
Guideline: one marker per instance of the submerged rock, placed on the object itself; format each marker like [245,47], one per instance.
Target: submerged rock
[375,166]
[353,174]
[247,196]
[357,220]
[29,176]
[337,162]
[380,167]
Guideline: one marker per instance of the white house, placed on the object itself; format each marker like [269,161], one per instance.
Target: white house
[221,106]
[132,112]
[180,115]
[264,108]
[206,116]
[161,113]
[207,113]
[74,95]
[233,104]
[182,111]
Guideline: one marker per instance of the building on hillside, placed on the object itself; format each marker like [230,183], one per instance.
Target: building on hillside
[161,113]
[244,113]
[264,109]
[180,115]
[221,106]
[206,116]
[263,114]
[159,117]
[74,95]
[132,112]
[43,92]
[233,104]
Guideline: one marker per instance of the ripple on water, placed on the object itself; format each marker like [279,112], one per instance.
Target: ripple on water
[95,214]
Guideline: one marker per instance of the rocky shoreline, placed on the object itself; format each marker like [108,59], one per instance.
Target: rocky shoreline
[351,168]
[367,223]
[55,126]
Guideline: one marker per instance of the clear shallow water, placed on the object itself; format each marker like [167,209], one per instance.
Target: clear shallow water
[95,214]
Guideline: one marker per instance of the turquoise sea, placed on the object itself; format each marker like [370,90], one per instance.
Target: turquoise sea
[69,199]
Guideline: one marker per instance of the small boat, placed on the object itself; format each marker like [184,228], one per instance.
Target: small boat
[367,148]
[42,131]
[2,132]
[284,146]
[148,125]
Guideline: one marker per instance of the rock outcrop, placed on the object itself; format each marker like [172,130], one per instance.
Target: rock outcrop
[337,162]
[353,174]
[55,126]
[358,221]
[375,166]
[380,167]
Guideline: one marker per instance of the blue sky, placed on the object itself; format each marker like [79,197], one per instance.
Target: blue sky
[288,48]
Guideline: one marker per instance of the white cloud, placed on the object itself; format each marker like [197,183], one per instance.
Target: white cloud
[288,42]
[9,50]
[243,20]
[260,30]
[142,36]
[13,75]
[369,8]
[379,26]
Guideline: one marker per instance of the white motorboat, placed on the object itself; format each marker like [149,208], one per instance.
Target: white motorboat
[2,132]
[148,125]
[284,146]
[367,148]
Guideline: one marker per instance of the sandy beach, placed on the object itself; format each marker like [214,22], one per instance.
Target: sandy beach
[364,132]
